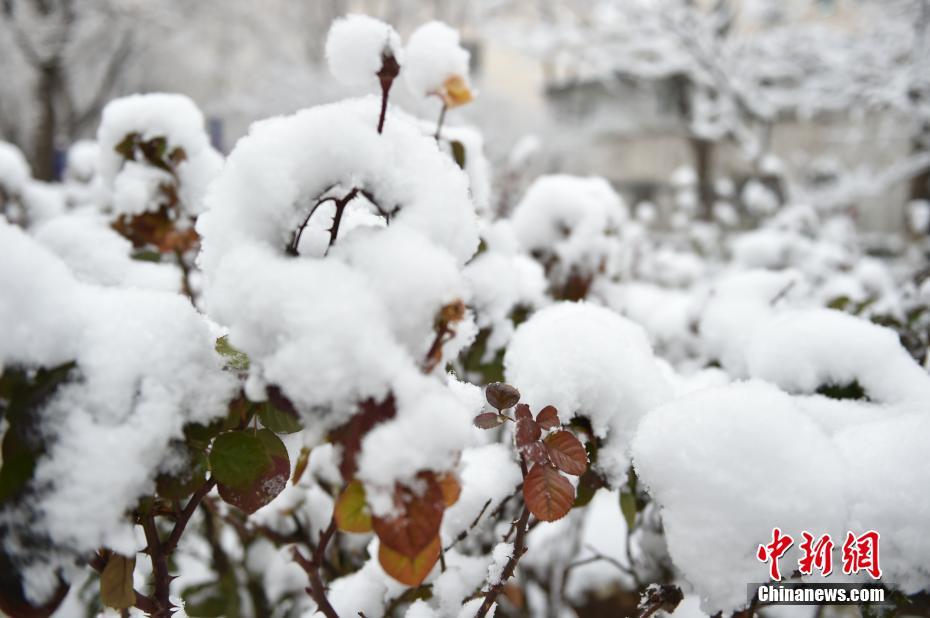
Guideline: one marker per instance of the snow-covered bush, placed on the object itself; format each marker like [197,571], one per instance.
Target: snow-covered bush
[393,397]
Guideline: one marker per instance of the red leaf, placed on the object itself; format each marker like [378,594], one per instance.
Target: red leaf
[501,395]
[528,431]
[523,411]
[548,417]
[350,435]
[547,493]
[489,420]
[417,519]
[536,452]
[567,453]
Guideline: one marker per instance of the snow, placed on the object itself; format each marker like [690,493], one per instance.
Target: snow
[147,367]
[588,361]
[800,351]
[355,47]
[432,56]
[500,555]
[97,254]
[728,464]
[500,283]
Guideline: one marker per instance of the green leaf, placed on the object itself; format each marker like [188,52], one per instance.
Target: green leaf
[268,484]
[186,481]
[235,360]
[628,508]
[278,421]
[144,255]
[239,458]
[116,582]
[458,153]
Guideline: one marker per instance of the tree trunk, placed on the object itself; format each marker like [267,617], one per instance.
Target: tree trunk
[45,132]
[703,150]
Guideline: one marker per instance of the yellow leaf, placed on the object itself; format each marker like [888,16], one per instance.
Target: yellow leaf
[352,514]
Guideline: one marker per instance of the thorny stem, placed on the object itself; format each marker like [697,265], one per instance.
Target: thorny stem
[159,558]
[519,548]
[159,551]
[337,218]
[295,243]
[312,567]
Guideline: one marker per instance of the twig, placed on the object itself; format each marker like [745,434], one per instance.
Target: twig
[442,118]
[312,567]
[185,515]
[519,548]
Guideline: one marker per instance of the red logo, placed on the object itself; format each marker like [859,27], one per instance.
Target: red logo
[860,553]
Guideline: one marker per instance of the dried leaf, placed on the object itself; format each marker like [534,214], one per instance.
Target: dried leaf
[349,436]
[116,589]
[567,453]
[455,91]
[417,519]
[489,420]
[451,488]
[547,493]
[300,465]
[501,396]
[351,511]
[409,570]
[548,418]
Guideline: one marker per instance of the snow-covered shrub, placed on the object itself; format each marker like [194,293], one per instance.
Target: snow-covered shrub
[570,225]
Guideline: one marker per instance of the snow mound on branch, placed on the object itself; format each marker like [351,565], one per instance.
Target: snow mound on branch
[737,304]
[430,415]
[886,461]
[312,327]
[14,169]
[97,254]
[146,366]
[588,361]
[175,118]
[355,46]
[571,218]
[433,55]
[276,174]
[500,283]
[727,464]
[802,350]
[430,279]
